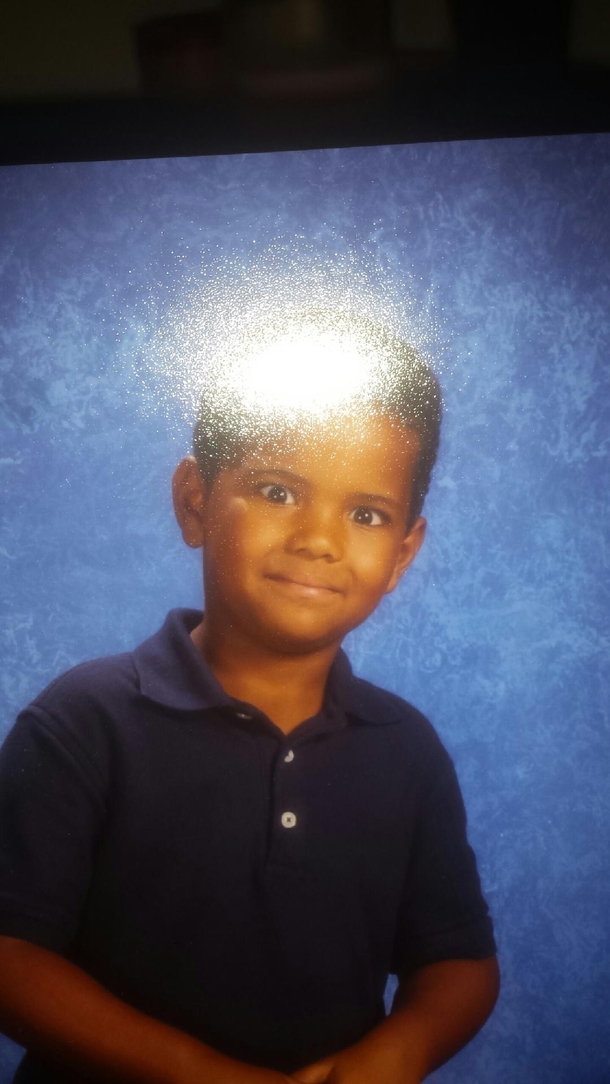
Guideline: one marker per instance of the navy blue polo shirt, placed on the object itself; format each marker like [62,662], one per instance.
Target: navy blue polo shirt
[252,888]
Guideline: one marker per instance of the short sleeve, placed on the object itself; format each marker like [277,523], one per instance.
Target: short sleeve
[443,913]
[51,812]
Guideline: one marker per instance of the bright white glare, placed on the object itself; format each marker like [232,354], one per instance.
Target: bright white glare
[307,371]
[288,325]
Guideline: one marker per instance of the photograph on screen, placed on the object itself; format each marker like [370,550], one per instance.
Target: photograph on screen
[298,312]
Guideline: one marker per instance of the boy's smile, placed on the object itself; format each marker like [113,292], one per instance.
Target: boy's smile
[303,538]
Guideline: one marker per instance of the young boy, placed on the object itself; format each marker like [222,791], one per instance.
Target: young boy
[214,850]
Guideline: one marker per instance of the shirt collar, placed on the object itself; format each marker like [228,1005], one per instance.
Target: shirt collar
[172,672]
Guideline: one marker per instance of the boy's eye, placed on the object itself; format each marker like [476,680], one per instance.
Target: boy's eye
[368,517]
[277,494]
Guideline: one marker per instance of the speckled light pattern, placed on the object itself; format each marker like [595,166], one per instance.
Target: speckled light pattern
[494,259]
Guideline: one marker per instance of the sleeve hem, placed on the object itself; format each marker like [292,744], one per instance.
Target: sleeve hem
[468,943]
[41,933]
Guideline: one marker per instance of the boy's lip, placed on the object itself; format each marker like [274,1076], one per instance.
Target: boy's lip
[304,584]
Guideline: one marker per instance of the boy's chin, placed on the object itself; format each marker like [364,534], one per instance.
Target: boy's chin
[304,638]
[293,646]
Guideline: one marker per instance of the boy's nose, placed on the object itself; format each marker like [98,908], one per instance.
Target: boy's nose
[317,533]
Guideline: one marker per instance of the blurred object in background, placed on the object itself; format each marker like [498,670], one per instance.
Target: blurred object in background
[182,54]
[270,49]
[309,48]
[323,50]
[423,34]
[589,33]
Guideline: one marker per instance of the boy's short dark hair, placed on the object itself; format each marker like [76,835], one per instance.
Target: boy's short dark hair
[404,389]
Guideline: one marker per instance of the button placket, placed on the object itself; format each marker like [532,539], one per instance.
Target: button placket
[288,818]
[287,827]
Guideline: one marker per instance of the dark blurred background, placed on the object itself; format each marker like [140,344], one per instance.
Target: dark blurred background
[77,48]
[131,77]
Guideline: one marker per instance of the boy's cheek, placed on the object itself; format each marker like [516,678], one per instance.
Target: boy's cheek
[235,511]
[248,535]
[251,516]
[229,525]
[376,562]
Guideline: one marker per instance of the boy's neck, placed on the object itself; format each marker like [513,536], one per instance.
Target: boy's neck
[287,688]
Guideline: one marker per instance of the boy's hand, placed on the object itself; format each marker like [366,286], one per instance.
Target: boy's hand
[364,1063]
[436,1011]
[316,1073]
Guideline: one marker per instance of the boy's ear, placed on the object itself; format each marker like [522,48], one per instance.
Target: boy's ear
[189,496]
[409,548]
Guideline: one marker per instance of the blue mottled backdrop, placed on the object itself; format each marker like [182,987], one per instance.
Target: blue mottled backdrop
[495,257]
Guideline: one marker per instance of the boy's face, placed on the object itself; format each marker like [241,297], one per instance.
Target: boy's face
[300,544]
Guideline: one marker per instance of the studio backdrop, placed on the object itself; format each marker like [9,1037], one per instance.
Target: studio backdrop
[119,280]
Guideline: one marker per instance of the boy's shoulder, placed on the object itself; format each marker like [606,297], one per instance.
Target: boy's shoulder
[81,710]
[111,683]
[88,685]
[107,704]
[382,706]
[404,729]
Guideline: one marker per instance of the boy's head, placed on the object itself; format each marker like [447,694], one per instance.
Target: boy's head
[313,453]
[316,366]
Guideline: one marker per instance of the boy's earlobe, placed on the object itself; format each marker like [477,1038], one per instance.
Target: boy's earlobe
[410,547]
[188,492]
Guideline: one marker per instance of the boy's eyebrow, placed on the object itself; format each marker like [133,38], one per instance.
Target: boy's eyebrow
[251,472]
[376,498]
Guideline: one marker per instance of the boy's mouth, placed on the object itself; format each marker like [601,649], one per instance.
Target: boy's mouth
[302,585]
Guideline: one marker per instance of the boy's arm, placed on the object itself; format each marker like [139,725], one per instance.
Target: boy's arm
[60,1013]
[436,1011]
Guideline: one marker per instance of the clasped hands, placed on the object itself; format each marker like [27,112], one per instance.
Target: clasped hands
[358,1064]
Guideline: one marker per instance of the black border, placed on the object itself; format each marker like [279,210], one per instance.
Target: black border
[423,106]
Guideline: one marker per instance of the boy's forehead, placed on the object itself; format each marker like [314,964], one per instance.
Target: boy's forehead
[344,448]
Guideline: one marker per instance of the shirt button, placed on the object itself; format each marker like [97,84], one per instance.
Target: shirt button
[289,756]
[288,820]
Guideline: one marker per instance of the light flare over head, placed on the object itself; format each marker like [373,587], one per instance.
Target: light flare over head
[301,370]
